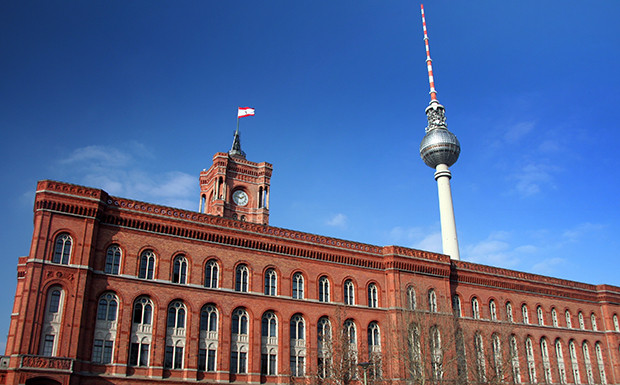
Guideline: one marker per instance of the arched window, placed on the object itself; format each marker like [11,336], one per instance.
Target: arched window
[560,358]
[212,272]
[616,323]
[582,323]
[141,332]
[52,322]
[269,344]
[242,277]
[324,289]
[554,317]
[587,360]
[113,260]
[349,292]
[601,364]
[526,317]
[411,300]
[179,271]
[175,336]
[480,358]
[414,345]
[147,264]
[514,358]
[593,321]
[436,353]
[493,310]
[239,342]
[544,351]
[498,359]
[531,363]
[509,316]
[298,346]
[105,329]
[62,249]
[539,314]
[298,286]
[271,281]
[432,301]
[569,323]
[475,308]
[456,305]
[373,295]
[207,351]
[324,336]
[374,350]
[350,333]
[572,350]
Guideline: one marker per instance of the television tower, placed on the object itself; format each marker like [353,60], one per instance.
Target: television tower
[440,149]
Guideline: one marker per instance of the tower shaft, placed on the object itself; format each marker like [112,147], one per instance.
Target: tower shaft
[449,239]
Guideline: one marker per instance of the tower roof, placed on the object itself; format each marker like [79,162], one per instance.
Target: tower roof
[236,150]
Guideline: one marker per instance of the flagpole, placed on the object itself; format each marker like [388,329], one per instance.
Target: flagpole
[238,119]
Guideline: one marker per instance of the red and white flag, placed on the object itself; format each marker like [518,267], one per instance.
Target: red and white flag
[245,111]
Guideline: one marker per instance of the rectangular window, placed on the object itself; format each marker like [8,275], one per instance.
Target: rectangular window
[272,364]
[263,363]
[234,357]
[97,350]
[202,360]
[107,351]
[178,357]
[211,360]
[134,352]
[48,345]
[168,358]
[243,362]
[144,354]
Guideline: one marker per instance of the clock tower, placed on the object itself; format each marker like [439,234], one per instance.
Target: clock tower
[236,188]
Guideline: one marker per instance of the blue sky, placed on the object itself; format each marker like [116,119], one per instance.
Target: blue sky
[136,97]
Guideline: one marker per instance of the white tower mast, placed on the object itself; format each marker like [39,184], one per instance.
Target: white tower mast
[440,149]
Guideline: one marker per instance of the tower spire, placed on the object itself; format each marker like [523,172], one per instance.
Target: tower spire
[236,150]
[440,149]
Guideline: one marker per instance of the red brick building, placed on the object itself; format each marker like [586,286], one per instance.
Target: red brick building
[116,291]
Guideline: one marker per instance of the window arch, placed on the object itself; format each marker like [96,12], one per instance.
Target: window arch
[298,286]
[432,301]
[176,315]
[475,308]
[498,359]
[436,353]
[242,276]
[147,264]
[582,323]
[531,364]
[239,342]
[298,345]
[351,333]
[493,310]
[373,295]
[324,336]
[141,332]
[540,316]
[588,362]
[107,308]
[593,321]
[569,323]
[208,343]
[456,305]
[62,249]
[271,282]
[572,351]
[411,299]
[179,270]
[349,292]
[324,289]
[52,322]
[113,259]
[526,317]
[554,317]
[616,323]
[514,358]
[374,350]
[560,358]
[212,273]
[175,335]
[601,365]
[509,316]
[480,358]
[105,329]
[269,344]
[544,351]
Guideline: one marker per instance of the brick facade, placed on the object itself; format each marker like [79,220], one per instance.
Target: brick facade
[75,321]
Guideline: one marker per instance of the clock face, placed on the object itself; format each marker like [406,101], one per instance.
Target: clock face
[240,198]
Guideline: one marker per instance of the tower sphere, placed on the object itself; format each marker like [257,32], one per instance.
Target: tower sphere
[439,146]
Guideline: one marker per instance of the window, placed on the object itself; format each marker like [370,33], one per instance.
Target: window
[269,344]
[62,249]
[456,305]
[211,274]
[52,322]
[480,358]
[208,341]
[554,317]
[514,358]
[298,286]
[593,321]
[616,323]
[475,308]
[572,350]
[498,359]
[588,362]
[175,336]
[241,278]
[414,346]
[102,351]
[539,314]
[531,365]
[411,301]
[298,346]
[509,312]
[323,345]
[560,358]
[176,315]
[107,307]
[147,264]
[173,358]
[374,350]
[436,353]
[349,292]
[373,296]
[142,311]
[569,324]
[179,271]
[526,318]
[48,345]
[139,353]
[141,332]
[271,279]
[324,289]
[113,260]
[493,310]
[239,342]
[350,332]
[544,350]
[582,324]
[432,301]
[601,365]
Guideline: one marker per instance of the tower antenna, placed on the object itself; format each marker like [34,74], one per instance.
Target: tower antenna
[429,61]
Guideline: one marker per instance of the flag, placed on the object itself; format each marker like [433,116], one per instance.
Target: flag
[245,111]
